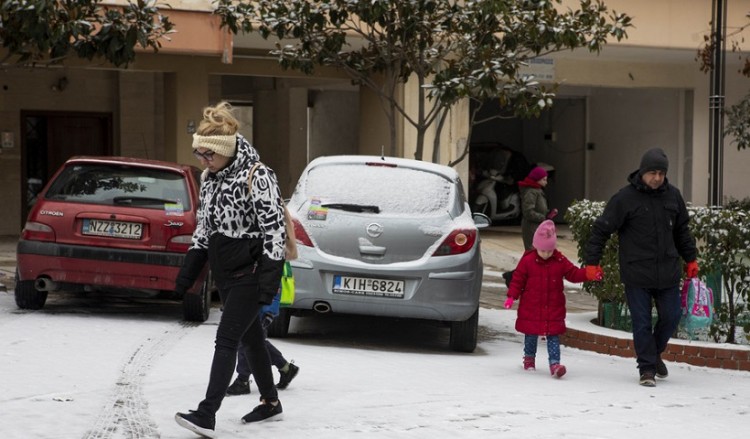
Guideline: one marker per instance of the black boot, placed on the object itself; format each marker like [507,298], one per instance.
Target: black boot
[661,369]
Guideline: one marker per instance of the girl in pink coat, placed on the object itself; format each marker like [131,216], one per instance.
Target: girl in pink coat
[538,282]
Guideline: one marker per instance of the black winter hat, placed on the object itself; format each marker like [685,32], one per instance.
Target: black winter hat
[654,160]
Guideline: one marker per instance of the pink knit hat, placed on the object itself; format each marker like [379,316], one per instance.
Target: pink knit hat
[537,173]
[545,238]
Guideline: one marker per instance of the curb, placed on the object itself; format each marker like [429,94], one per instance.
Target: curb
[584,335]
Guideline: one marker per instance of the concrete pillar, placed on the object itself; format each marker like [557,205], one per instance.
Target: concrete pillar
[374,133]
[185,96]
[141,114]
[280,133]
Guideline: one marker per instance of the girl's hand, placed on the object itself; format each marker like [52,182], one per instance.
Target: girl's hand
[508,303]
[594,273]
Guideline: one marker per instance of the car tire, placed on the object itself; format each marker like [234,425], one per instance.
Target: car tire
[279,328]
[197,306]
[28,297]
[464,334]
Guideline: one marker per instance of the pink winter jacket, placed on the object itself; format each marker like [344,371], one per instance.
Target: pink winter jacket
[539,285]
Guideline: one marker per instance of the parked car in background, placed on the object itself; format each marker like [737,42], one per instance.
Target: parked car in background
[112,224]
[386,236]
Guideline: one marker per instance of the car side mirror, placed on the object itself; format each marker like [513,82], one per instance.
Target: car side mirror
[481,220]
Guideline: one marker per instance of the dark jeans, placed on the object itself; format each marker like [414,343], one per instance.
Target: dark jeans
[244,369]
[239,323]
[651,340]
[530,343]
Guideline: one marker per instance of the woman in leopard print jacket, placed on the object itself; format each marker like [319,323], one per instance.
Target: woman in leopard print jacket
[240,231]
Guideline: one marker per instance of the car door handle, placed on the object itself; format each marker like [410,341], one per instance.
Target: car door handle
[372,250]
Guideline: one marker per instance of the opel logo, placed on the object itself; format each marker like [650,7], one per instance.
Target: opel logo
[374,230]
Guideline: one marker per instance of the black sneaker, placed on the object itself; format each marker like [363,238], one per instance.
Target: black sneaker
[197,423]
[647,379]
[661,369]
[286,377]
[239,387]
[264,412]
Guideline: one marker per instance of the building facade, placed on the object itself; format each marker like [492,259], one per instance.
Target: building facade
[642,92]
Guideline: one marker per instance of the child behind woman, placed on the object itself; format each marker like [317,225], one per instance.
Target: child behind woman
[538,282]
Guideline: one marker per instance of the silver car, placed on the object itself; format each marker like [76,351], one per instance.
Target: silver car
[386,236]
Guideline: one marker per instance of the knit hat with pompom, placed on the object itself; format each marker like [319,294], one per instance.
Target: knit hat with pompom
[545,237]
[537,173]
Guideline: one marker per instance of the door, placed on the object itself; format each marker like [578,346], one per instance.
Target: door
[49,138]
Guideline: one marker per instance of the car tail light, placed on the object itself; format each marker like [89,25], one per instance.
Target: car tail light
[301,235]
[459,241]
[34,231]
[180,243]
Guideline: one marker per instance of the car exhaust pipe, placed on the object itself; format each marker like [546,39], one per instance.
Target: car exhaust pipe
[46,284]
[322,307]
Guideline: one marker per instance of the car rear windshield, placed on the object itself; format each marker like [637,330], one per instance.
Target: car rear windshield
[122,186]
[383,189]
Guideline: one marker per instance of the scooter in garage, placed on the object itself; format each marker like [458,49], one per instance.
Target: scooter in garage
[498,198]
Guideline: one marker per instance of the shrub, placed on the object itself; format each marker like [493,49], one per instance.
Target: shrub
[610,291]
[723,235]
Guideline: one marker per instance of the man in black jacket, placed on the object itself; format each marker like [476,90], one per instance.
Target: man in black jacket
[651,220]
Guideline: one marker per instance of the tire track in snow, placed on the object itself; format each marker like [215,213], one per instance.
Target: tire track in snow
[126,414]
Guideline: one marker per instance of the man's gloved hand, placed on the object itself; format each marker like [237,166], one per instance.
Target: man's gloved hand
[508,303]
[266,320]
[552,213]
[691,269]
[594,272]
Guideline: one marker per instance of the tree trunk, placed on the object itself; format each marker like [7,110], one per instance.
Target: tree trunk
[438,132]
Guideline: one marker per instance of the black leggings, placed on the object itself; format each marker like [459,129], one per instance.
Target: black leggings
[239,322]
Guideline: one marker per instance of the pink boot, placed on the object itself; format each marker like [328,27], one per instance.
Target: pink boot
[557,370]
[528,363]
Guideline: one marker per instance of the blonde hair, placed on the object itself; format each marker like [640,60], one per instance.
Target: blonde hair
[218,120]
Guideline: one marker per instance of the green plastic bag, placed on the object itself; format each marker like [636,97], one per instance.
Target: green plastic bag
[287,285]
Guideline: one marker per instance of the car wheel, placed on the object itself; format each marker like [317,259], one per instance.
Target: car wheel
[28,297]
[279,328]
[464,334]
[196,307]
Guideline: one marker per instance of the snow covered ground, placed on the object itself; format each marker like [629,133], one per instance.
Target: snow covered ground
[77,370]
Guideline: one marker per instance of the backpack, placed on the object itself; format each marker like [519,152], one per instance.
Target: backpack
[697,301]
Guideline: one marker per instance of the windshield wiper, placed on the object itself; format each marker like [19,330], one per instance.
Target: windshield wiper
[352,207]
[141,200]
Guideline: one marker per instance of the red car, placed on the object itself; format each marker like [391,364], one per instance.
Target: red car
[113,224]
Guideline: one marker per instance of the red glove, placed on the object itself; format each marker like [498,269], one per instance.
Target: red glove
[594,272]
[551,214]
[508,303]
[691,269]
